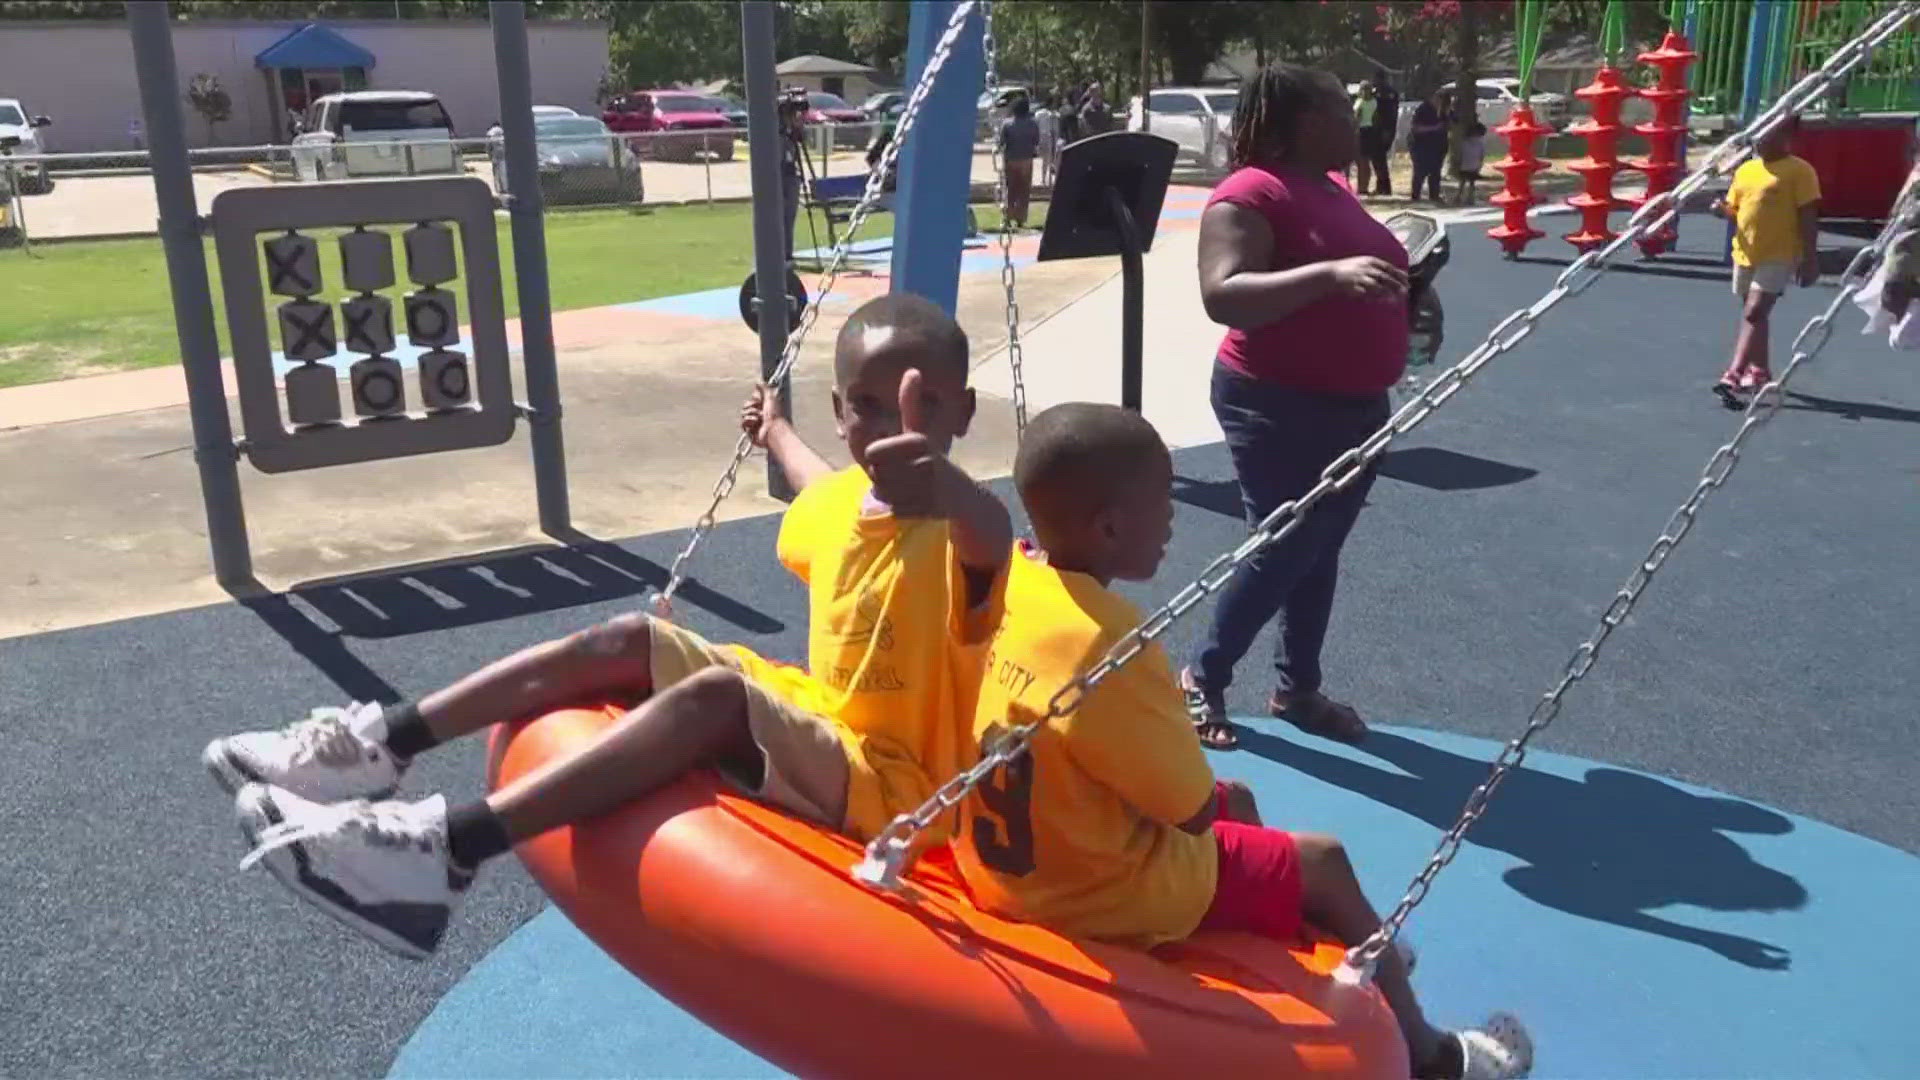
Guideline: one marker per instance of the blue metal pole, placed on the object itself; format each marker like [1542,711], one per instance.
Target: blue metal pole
[1689,17]
[936,160]
[1753,81]
[1759,43]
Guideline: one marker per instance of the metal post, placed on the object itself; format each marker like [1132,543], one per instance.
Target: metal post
[1146,63]
[769,208]
[213,447]
[1132,300]
[1753,81]
[936,162]
[525,211]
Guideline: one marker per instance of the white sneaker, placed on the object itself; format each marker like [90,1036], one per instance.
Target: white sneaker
[1499,1049]
[333,754]
[381,868]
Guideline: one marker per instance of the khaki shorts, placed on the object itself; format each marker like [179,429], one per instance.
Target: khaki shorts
[1767,277]
[806,770]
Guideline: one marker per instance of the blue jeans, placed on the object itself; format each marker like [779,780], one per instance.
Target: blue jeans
[1281,440]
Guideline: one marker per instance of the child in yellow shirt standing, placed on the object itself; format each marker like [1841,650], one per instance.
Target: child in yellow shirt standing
[899,553]
[1774,204]
[1111,826]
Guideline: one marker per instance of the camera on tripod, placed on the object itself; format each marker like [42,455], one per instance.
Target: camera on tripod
[792,102]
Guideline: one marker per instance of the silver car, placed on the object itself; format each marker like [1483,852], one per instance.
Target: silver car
[1198,118]
[580,161]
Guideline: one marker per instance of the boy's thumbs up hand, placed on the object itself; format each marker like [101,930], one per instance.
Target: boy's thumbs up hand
[908,473]
[912,411]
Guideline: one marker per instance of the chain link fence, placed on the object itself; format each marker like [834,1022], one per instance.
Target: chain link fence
[61,197]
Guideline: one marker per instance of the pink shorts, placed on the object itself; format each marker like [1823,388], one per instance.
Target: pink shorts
[1259,890]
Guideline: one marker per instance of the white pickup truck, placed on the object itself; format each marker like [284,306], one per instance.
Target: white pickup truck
[375,133]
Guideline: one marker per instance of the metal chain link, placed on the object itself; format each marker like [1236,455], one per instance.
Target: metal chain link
[1007,281]
[887,855]
[662,602]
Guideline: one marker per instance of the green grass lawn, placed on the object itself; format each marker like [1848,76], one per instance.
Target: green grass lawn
[87,307]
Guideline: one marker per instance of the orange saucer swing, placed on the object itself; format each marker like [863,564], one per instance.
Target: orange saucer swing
[749,920]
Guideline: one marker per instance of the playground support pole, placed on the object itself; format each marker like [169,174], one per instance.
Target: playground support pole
[526,213]
[213,446]
[1753,81]
[769,246]
[1132,301]
[936,160]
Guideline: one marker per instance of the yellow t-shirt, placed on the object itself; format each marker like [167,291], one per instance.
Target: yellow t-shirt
[1765,200]
[890,642]
[1082,833]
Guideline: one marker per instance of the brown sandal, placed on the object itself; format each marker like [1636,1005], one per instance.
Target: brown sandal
[1318,714]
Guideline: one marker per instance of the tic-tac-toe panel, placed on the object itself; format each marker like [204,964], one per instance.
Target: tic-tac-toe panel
[339,319]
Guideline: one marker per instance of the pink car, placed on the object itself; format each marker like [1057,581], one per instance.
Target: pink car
[686,124]
[825,108]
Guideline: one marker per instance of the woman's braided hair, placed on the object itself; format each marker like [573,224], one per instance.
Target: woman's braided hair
[1272,101]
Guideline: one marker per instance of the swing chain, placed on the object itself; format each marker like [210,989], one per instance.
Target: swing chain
[1007,281]
[1766,402]
[662,602]
[887,855]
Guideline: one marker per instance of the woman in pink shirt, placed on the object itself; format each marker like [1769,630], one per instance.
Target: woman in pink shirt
[1314,293]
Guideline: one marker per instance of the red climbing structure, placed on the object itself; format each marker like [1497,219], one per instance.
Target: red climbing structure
[1602,132]
[1662,163]
[1520,130]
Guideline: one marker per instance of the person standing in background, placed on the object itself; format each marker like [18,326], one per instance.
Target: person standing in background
[1048,117]
[1363,109]
[1386,124]
[1094,117]
[1427,146]
[1019,143]
[1070,116]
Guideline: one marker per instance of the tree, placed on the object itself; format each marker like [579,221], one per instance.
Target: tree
[658,44]
[1192,34]
[210,100]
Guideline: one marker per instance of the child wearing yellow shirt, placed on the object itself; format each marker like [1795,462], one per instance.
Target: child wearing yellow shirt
[900,553]
[1774,204]
[1111,826]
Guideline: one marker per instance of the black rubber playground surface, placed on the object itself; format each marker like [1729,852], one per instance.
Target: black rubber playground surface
[1771,660]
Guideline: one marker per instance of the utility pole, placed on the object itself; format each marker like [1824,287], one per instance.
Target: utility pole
[1146,63]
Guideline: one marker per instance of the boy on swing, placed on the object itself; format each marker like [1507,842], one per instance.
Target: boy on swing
[900,553]
[1111,826]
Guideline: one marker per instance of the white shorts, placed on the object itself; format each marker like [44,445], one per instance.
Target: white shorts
[1771,278]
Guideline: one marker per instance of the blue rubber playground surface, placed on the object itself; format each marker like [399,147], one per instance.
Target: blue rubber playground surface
[1707,871]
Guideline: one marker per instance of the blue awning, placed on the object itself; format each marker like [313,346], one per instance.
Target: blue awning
[313,46]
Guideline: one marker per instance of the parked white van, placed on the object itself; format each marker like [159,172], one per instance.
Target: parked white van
[375,133]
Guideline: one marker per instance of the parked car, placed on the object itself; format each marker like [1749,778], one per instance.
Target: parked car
[733,109]
[683,125]
[540,112]
[885,105]
[851,126]
[1497,99]
[993,106]
[1198,118]
[375,133]
[580,160]
[17,123]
